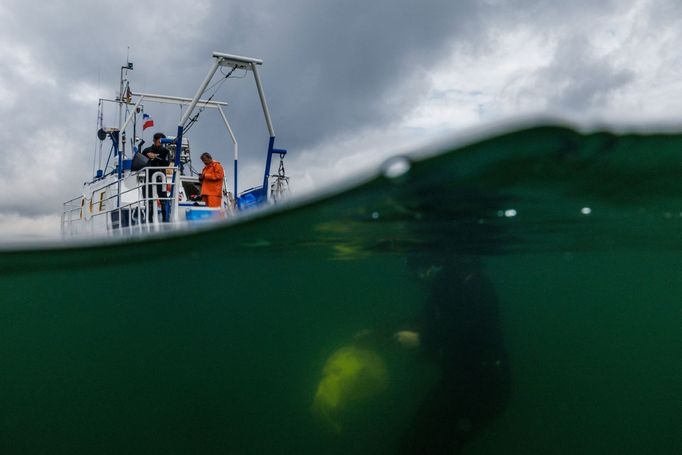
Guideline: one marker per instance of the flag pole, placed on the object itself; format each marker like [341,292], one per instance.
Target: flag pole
[134,131]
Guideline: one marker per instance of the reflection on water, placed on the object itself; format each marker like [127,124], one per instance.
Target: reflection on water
[519,295]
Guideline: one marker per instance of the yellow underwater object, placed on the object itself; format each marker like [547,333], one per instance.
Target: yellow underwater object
[351,374]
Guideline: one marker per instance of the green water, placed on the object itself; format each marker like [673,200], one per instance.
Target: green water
[214,342]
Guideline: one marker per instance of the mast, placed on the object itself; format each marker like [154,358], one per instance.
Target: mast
[119,146]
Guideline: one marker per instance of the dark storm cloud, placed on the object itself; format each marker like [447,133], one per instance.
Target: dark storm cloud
[342,66]
[570,18]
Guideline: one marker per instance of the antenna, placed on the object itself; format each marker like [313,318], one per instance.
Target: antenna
[128,62]
[124,85]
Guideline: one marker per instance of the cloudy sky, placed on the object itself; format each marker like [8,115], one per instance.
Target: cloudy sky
[349,83]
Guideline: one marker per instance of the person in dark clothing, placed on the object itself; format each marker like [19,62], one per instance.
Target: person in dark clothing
[459,330]
[158,156]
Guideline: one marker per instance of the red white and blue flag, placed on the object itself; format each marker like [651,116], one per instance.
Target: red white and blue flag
[147,121]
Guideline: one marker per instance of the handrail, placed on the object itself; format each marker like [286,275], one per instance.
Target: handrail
[141,202]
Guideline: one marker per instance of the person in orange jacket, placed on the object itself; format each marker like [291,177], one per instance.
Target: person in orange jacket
[211,179]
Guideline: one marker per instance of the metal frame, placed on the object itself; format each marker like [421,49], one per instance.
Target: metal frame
[249,64]
[178,100]
[181,101]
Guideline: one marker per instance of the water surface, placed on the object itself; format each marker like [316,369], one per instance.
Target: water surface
[215,341]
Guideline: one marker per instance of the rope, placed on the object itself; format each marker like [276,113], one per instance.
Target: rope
[219,84]
[280,184]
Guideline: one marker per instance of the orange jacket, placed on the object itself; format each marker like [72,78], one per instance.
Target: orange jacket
[212,184]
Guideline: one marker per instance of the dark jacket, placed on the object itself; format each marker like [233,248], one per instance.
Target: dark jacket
[162,160]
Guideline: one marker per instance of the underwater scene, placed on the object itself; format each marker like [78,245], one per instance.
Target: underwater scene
[520,294]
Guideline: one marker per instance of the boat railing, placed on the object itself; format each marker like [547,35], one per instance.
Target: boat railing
[126,208]
[72,211]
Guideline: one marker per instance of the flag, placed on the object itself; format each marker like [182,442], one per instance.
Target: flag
[146,121]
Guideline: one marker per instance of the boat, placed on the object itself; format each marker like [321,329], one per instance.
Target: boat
[129,195]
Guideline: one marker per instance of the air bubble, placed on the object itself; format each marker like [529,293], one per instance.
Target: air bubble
[375,215]
[396,167]
[585,210]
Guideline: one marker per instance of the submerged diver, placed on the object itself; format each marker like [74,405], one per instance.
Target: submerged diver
[459,329]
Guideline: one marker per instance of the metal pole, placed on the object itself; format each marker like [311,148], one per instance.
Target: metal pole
[271,130]
[235,144]
[264,103]
[188,113]
[200,92]
[117,148]
[268,161]
[132,114]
